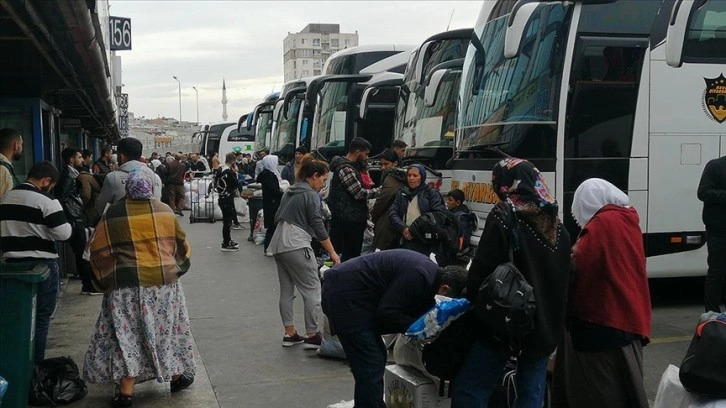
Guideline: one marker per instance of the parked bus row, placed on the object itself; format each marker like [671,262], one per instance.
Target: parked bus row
[621,90]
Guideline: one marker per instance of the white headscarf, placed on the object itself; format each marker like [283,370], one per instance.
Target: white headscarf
[270,162]
[594,194]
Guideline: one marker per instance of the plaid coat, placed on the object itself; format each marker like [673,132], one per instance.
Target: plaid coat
[138,243]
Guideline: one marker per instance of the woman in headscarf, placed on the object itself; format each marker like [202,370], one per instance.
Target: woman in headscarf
[600,360]
[270,179]
[412,201]
[542,254]
[138,253]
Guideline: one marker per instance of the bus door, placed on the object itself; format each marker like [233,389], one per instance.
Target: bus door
[603,93]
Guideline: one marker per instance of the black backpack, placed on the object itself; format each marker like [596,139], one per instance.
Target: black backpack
[703,369]
[446,354]
[56,381]
[506,301]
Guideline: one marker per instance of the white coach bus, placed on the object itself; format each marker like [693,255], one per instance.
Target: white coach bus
[630,91]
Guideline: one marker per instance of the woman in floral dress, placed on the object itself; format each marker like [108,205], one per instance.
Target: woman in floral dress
[143,333]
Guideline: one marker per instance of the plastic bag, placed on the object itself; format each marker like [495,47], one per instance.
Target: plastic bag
[330,345]
[3,388]
[258,235]
[671,393]
[56,381]
[431,324]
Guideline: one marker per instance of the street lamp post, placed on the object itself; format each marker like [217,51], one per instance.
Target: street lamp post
[180,111]
[197,92]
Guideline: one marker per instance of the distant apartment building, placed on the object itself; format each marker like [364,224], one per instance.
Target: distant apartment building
[304,53]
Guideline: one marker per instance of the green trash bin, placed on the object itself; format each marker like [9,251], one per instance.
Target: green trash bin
[18,298]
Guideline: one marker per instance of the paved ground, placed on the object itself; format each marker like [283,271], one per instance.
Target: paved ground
[232,300]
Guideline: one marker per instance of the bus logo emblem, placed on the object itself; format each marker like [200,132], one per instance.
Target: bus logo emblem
[714,98]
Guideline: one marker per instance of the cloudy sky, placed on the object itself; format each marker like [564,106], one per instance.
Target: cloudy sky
[202,42]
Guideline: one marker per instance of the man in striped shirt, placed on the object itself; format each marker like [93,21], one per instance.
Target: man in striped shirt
[30,223]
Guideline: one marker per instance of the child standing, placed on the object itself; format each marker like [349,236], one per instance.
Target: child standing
[455,203]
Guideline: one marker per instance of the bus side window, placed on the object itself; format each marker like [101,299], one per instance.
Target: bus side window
[706,35]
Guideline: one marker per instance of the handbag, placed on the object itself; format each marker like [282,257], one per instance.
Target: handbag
[505,301]
[703,369]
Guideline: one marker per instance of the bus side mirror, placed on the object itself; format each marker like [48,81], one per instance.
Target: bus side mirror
[518,20]
[676,35]
[367,94]
[418,73]
[240,123]
[432,88]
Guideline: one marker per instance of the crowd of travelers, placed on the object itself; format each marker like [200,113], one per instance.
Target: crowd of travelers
[316,211]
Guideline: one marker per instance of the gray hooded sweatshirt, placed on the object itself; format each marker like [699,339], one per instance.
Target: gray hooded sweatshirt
[114,187]
[302,207]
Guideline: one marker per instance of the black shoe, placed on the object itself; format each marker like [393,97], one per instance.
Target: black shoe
[250,239]
[90,291]
[184,381]
[122,401]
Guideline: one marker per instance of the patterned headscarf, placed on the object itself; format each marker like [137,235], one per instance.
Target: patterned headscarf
[519,182]
[139,185]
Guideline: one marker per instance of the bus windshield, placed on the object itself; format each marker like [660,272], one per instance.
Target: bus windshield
[423,126]
[513,102]
[329,124]
[283,141]
[263,129]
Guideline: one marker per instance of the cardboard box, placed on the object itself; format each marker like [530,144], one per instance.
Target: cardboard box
[406,387]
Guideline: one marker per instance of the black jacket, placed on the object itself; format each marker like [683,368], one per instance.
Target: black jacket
[385,291]
[429,201]
[271,196]
[226,183]
[545,268]
[343,206]
[712,191]
[67,191]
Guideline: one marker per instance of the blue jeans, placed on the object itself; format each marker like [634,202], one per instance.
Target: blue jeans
[366,355]
[482,370]
[45,304]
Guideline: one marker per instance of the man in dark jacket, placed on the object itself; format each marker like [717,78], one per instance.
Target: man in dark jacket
[226,187]
[173,190]
[102,166]
[712,191]
[68,193]
[348,200]
[380,293]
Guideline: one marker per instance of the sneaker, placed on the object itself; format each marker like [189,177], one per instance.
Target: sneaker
[313,342]
[237,227]
[90,292]
[250,239]
[229,248]
[289,341]
[234,244]
[268,253]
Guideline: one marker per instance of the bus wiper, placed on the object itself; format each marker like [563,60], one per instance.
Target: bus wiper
[492,147]
[409,160]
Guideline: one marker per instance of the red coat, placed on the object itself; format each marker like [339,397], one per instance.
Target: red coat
[611,283]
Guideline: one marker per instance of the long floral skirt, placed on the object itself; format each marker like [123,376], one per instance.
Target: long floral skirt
[143,333]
